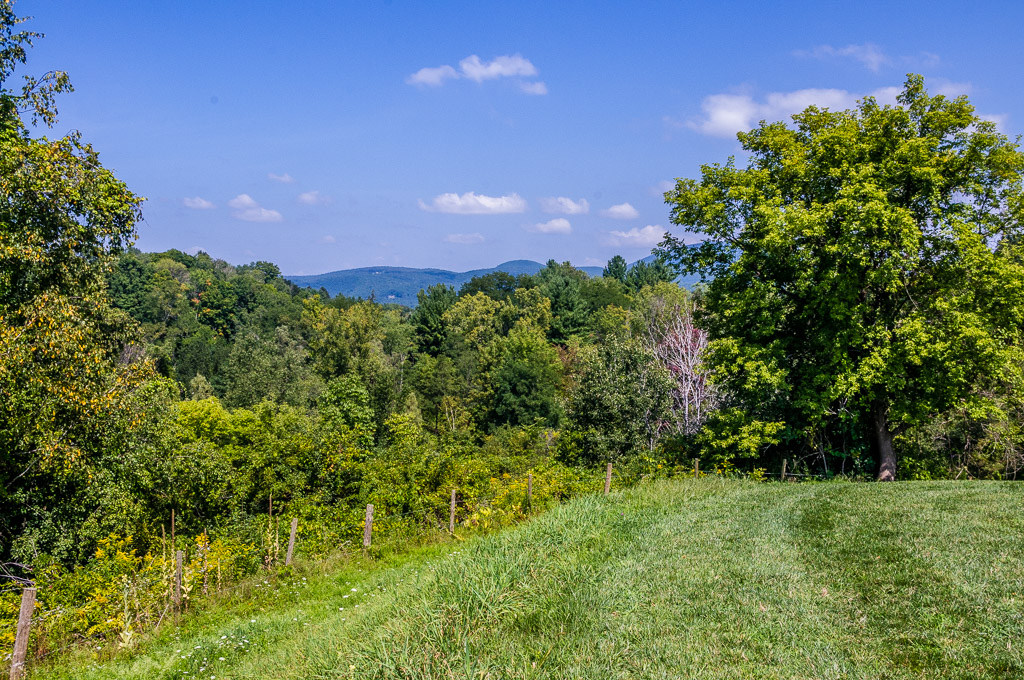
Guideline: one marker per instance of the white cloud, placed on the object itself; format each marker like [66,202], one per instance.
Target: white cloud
[869,55]
[283,179]
[327,238]
[471,203]
[622,211]
[649,236]
[559,225]
[198,203]
[473,68]
[432,76]
[499,67]
[243,201]
[464,239]
[313,198]
[564,206]
[537,87]
[249,210]
[727,114]
[593,262]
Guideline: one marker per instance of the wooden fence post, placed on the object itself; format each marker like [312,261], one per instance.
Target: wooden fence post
[783,477]
[178,556]
[28,603]
[529,490]
[608,480]
[291,542]
[368,528]
[696,468]
[451,515]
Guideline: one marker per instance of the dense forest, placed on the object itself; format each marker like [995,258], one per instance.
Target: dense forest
[249,388]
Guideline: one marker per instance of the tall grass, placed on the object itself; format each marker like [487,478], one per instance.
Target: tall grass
[684,579]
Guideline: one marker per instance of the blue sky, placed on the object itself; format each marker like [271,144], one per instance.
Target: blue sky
[330,135]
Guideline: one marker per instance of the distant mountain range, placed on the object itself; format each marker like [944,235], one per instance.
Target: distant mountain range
[401,284]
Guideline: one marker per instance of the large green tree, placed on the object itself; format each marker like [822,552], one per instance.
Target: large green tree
[68,369]
[864,271]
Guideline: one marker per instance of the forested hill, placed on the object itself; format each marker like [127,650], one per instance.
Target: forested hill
[401,284]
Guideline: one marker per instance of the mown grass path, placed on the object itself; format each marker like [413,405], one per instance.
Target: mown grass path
[685,579]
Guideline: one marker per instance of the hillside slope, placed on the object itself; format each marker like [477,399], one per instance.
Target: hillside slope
[685,579]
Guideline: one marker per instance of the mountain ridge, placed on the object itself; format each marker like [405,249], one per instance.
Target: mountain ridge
[401,284]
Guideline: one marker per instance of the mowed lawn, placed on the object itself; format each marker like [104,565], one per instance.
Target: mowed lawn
[680,579]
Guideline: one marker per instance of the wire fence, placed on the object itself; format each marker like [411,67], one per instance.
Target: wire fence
[177,584]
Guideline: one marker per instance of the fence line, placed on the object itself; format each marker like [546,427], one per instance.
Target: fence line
[175,589]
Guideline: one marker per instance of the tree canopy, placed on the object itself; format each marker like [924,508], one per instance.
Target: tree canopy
[68,369]
[863,271]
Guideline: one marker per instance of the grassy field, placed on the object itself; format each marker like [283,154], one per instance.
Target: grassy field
[686,579]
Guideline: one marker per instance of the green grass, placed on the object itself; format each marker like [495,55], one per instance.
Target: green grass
[708,579]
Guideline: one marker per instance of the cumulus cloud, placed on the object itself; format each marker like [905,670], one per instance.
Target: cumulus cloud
[727,114]
[622,211]
[475,69]
[243,202]
[649,236]
[471,203]
[560,205]
[313,198]
[869,55]
[559,225]
[198,203]
[283,179]
[464,239]
[432,77]
[499,67]
[246,208]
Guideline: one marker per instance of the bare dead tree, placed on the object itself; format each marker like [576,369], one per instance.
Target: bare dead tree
[680,345]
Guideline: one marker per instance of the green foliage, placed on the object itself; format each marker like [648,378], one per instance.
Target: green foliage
[562,284]
[616,269]
[643,274]
[276,369]
[865,271]
[68,365]
[497,285]
[525,380]
[618,399]
[346,404]
[427,319]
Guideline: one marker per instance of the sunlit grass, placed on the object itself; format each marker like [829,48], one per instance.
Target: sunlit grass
[708,579]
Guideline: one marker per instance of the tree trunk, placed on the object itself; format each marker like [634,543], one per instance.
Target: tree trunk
[882,440]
